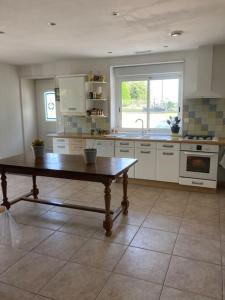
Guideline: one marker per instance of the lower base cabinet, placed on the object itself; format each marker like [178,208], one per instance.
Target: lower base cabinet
[126,153]
[167,165]
[145,168]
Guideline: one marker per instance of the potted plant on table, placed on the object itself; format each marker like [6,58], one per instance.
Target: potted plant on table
[174,124]
[90,154]
[38,147]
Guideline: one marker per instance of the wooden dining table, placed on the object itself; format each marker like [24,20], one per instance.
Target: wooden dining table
[105,171]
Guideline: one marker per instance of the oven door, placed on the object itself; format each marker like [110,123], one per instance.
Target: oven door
[200,165]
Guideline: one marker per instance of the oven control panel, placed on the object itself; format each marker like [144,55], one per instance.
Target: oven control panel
[200,148]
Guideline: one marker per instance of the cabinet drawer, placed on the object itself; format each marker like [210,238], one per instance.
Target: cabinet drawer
[60,140]
[126,144]
[198,182]
[76,142]
[145,168]
[104,143]
[173,146]
[61,148]
[146,144]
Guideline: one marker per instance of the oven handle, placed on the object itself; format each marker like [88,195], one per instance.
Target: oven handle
[199,154]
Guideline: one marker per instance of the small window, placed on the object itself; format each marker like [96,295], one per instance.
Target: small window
[50,106]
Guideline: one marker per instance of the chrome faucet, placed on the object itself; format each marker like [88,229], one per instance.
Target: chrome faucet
[142,124]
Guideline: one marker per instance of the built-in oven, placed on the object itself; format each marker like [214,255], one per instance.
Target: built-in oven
[199,161]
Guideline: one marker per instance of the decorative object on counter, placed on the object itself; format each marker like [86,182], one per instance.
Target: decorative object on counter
[174,124]
[38,147]
[99,131]
[90,154]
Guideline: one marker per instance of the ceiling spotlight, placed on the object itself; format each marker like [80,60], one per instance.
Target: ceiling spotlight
[51,23]
[109,52]
[165,46]
[116,13]
[176,33]
[2,32]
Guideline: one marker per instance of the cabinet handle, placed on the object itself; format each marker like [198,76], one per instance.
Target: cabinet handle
[60,140]
[99,144]
[124,151]
[145,152]
[124,144]
[62,147]
[197,182]
[72,108]
[168,153]
[168,146]
[146,145]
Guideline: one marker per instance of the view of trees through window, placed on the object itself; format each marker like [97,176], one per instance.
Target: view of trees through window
[153,101]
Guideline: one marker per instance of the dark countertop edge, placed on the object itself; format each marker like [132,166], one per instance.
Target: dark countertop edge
[220,141]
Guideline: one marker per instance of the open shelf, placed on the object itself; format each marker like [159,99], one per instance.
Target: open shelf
[97,99]
[102,82]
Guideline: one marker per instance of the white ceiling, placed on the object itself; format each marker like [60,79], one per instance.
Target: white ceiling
[87,28]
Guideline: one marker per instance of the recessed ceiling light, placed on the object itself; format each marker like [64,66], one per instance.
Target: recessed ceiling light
[143,52]
[176,33]
[2,32]
[109,52]
[165,46]
[116,13]
[51,23]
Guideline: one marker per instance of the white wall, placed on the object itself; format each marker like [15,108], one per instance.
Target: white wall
[29,109]
[11,137]
[102,65]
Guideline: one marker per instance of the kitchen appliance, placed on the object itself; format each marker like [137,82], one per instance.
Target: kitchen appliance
[198,164]
[200,137]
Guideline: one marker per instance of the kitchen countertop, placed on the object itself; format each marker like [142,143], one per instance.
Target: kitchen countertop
[153,138]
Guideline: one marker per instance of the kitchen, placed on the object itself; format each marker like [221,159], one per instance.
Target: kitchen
[118,100]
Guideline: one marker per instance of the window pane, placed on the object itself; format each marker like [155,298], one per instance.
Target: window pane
[134,103]
[50,106]
[164,101]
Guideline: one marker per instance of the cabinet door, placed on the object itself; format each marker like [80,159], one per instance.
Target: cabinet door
[60,146]
[145,168]
[105,148]
[72,95]
[126,153]
[168,165]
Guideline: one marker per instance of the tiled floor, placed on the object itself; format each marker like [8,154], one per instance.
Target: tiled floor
[171,246]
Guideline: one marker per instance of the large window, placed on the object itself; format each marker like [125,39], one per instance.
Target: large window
[50,106]
[152,99]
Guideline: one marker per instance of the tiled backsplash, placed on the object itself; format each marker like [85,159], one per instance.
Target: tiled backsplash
[204,117]
[74,124]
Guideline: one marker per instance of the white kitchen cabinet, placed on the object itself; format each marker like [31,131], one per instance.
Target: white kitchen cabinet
[72,95]
[104,148]
[145,168]
[61,145]
[167,165]
[126,152]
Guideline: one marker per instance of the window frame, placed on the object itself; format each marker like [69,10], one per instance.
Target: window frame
[155,76]
[45,93]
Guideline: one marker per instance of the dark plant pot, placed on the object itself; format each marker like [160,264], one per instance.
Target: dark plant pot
[90,156]
[175,129]
[38,151]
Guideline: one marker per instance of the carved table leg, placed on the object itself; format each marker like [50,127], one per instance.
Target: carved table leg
[5,202]
[125,202]
[108,222]
[35,189]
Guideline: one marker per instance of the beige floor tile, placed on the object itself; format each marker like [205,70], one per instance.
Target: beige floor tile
[31,236]
[223,252]
[61,245]
[85,196]
[144,264]
[162,222]
[174,196]
[133,217]
[171,207]
[12,293]
[65,191]
[32,272]
[198,248]
[125,288]
[204,199]
[202,214]
[155,240]
[122,234]
[194,276]
[172,294]
[222,215]
[41,298]
[195,228]
[49,220]
[9,256]
[76,282]
[82,226]
[99,254]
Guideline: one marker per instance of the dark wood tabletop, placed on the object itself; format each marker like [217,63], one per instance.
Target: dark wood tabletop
[108,166]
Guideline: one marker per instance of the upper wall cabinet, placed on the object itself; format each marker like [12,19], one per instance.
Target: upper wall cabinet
[72,95]
[205,76]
